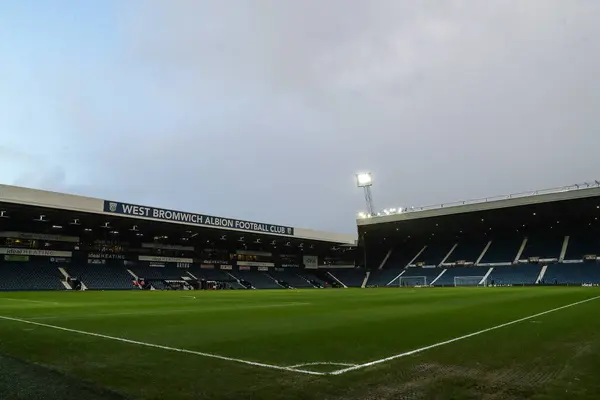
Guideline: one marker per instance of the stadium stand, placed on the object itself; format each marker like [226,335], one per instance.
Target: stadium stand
[159,273]
[573,274]
[503,249]
[551,237]
[582,244]
[447,278]
[291,278]
[317,278]
[30,276]
[383,277]
[467,250]
[209,274]
[402,255]
[434,254]
[216,275]
[543,246]
[102,277]
[258,279]
[528,238]
[429,273]
[349,277]
[526,274]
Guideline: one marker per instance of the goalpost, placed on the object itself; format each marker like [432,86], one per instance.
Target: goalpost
[412,281]
[470,281]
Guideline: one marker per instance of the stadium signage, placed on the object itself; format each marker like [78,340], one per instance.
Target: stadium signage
[166,259]
[290,265]
[254,253]
[498,264]
[193,218]
[310,261]
[39,236]
[214,262]
[263,268]
[96,261]
[60,260]
[255,264]
[226,267]
[10,257]
[107,256]
[34,252]
[167,246]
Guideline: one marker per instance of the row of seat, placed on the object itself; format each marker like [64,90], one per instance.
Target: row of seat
[41,276]
[30,276]
[491,250]
[524,274]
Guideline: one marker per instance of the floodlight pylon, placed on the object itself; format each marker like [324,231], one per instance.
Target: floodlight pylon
[365,181]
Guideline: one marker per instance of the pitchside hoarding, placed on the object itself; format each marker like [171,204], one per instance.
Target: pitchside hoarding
[160,214]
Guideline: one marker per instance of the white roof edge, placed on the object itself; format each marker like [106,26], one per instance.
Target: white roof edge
[497,202]
[71,202]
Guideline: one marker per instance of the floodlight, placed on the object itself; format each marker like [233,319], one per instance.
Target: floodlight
[364,179]
[362,215]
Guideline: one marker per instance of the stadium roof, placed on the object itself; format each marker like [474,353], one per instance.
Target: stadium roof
[572,211]
[80,204]
[539,197]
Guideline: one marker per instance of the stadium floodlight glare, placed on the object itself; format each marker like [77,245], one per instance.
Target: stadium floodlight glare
[364,179]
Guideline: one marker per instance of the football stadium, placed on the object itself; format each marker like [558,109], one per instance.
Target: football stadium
[491,298]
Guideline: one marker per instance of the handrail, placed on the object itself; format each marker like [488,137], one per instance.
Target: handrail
[578,186]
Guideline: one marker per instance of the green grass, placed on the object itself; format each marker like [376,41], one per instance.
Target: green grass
[553,356]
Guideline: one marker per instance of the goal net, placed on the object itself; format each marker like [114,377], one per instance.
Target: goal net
[470,281]
[412,281]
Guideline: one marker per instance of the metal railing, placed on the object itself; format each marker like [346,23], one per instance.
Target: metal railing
[578,186]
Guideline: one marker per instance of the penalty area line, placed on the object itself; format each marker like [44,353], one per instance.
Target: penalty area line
[408,353]
[158,346]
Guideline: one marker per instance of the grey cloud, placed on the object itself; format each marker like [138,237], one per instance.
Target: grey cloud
[265,109]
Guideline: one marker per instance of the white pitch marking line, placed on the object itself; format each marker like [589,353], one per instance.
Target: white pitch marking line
[157,346]
[408,353]
[322,363]
[292,369]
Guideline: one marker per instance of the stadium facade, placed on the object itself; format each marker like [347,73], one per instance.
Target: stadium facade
[54,241]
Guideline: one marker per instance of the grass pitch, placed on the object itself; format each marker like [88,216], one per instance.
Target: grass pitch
[302,344]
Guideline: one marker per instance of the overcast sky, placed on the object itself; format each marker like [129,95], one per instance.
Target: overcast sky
[265,110]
